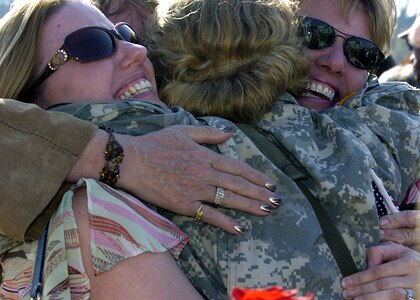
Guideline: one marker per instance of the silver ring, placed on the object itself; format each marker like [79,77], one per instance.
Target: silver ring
[409,294]
[220,193]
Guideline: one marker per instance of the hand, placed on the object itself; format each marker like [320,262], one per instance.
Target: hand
[169,169]
[402,227]
[392,269]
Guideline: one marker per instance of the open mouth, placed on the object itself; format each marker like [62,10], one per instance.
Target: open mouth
[136,88]
[316,89]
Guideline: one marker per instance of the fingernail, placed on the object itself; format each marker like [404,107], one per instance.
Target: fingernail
[381,234]
[275,201]
[227,129]
[348,294]
[346,282]
[270,186]
[266,207]
[240,229]
[384,222]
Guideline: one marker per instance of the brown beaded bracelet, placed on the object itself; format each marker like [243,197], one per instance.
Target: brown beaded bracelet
[114,155]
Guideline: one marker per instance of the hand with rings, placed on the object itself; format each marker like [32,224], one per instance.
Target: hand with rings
[394,273]
[178,174]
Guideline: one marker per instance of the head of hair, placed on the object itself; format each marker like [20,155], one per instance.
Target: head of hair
[381,18]
[230,58]
[20,31]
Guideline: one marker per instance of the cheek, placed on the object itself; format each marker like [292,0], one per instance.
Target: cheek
[355,79]
[81,82]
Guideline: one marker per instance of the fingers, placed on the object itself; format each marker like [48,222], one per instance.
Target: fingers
[399,293]
[402,219]
[399,270]
[216,218]
[205,134]
[402,227]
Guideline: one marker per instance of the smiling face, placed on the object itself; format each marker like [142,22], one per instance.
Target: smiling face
[331,75]
[128,73]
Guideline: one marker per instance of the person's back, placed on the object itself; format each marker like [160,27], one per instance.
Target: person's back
[333,146]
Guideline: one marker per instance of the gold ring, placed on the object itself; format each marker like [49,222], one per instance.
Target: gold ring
[199,213]
[220,193]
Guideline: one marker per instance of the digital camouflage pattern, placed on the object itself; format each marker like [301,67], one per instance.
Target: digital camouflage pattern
[338,147]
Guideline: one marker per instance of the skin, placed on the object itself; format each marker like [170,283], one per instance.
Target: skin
[329,67]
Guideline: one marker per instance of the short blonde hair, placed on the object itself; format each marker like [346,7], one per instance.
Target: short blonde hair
[230,58]
[19,48]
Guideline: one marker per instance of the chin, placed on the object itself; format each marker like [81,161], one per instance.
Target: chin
[315,103]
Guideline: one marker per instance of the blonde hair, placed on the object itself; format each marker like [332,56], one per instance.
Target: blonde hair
[19,48]
[230,58]
[381,19]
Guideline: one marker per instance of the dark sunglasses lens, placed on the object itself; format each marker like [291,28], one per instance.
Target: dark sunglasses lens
[127,33]
[316,34]
[362,54]
[90,44]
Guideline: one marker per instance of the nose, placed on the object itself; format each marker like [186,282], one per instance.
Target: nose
[332,58]
[131,55]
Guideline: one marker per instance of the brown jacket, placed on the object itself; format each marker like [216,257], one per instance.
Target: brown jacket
[38,150]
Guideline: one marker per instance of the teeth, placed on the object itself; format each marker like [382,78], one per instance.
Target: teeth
[324,90]
[136,88]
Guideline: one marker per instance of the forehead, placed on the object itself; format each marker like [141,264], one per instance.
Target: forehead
[71,17]
[329,12]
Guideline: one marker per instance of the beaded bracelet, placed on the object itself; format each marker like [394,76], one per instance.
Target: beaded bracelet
[114,155]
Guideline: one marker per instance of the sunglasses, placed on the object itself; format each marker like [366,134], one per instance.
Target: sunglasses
[360,52]
[87,44]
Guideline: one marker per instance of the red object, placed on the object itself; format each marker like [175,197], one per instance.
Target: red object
[270,293]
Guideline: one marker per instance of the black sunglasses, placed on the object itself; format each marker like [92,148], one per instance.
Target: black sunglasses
[87,44]
[360,52]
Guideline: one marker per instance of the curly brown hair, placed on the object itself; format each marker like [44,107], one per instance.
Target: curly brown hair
[230,58]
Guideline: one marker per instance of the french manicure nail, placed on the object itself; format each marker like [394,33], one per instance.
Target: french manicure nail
[275,201]
[239,229]
[266,207]
[270,186]
[227,129]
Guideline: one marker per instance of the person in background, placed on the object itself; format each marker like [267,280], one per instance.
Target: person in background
[134,12]
[408,69]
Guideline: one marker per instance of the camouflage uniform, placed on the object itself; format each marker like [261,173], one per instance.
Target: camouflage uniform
[338,147]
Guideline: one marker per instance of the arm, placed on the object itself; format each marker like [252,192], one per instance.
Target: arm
[167,168]
[38,151]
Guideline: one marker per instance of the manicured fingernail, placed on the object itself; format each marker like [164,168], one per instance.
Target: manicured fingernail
[240,229]
[270,186]
[266,207]
[384,222]
[227,129]
[275,201]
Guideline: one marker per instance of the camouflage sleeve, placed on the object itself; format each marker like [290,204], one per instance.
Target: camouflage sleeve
[391,111]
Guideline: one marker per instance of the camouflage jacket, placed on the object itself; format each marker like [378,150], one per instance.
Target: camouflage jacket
[338,147]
